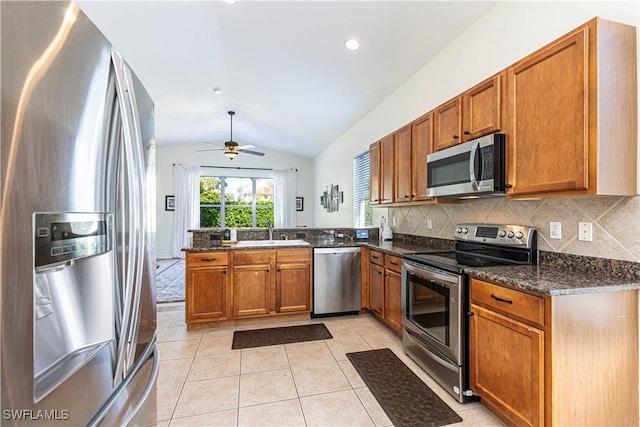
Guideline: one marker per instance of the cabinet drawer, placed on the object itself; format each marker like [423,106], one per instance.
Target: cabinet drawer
[205,259]
[252,257]
[293,255]
[510,302]
[393,263]
[376,257]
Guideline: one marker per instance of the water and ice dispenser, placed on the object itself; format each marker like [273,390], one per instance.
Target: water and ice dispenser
[73,295]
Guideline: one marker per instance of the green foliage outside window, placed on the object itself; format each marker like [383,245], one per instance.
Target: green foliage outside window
[237,213]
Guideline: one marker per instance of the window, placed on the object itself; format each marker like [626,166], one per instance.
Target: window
[236,202]
[362,212]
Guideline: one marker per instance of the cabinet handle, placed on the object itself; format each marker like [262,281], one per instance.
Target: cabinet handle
[470,313]
[393,263]
[501,299]
[208,259]
[466,132]
[456,137]
[267,270]
[379,273]
[508,186]
[406,196]
[413,195]
[375,256]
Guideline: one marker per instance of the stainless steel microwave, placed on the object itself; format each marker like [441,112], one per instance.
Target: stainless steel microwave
[471,169]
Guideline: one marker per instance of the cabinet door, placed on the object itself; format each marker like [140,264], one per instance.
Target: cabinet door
[507,365]
[251,290]
[293,287]
[482,109]
[374,173]
[447,120]
[376,290]
[421,139]
[547,120]
[386,169]
[206,295]
[392,301]
[402,164]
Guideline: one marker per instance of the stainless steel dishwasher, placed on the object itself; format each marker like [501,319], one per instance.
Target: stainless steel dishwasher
[336,281]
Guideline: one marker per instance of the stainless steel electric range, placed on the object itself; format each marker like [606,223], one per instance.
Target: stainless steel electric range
[435,297]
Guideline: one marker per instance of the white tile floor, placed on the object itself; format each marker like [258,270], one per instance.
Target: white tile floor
[202,382]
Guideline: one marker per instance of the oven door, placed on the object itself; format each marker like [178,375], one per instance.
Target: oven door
[432,301]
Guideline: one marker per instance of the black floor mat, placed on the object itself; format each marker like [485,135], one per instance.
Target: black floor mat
[407,400]
[283,335]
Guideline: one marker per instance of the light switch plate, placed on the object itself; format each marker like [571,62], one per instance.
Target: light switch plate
[555,230]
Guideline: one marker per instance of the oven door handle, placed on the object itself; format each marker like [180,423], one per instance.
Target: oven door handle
[429,273]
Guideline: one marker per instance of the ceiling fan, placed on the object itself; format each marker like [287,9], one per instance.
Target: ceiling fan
[231,148]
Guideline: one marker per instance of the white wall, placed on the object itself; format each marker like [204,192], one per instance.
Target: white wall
[187,154]
[505,34]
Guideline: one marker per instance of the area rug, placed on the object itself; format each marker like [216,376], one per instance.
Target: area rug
[170,283]
[281,335]
[407,400]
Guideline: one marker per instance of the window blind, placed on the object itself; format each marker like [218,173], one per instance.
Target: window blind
[361,210]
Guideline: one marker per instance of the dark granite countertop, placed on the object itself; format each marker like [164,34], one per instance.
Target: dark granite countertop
[552,281]
[391,247]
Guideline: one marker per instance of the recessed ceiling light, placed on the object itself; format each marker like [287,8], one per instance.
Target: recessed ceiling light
[217,91]
[352,44]
[229,1]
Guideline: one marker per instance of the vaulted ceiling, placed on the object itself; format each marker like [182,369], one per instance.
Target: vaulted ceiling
[282,65]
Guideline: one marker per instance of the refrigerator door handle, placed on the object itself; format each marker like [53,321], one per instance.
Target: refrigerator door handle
[138,224]
[122,359]
[147,390]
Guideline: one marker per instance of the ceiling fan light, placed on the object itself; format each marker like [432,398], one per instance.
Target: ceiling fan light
[231,154]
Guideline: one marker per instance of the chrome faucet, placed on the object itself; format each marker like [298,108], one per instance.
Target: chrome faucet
[270,225]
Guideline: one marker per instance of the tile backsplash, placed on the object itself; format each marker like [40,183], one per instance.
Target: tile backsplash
[616,222]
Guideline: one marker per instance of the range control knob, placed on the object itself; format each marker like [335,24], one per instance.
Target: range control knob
[510,234]
[502,233]
[519,235]
[465,230]
[458,230]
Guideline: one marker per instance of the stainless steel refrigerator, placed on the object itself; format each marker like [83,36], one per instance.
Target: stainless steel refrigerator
[77,225]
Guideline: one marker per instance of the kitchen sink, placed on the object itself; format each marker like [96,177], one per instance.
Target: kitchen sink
[272,243]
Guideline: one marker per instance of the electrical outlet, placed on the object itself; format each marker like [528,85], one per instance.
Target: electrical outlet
[394,220]
[585,231]
[555,230]
[429,224]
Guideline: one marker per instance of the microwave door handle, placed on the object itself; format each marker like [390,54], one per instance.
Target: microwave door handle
[475,165]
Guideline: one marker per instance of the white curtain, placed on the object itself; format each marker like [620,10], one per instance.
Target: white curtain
[284,184]
[187,213]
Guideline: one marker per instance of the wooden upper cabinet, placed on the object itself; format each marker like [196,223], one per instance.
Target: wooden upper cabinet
[374,173]
[402,150]
[482,108]
[421,139]
[572,115]
[447,124]
[386,169]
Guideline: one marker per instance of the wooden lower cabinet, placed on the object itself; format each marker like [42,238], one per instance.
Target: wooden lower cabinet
[392,301]
[514,385]
[384,286]
[376,290]
[554,360]
[292,288]
[207,294]
[242,284]
[251,290]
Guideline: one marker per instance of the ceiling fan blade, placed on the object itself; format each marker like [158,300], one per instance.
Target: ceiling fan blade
[213,143]
[211,149]
[255,153]
[242,147]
